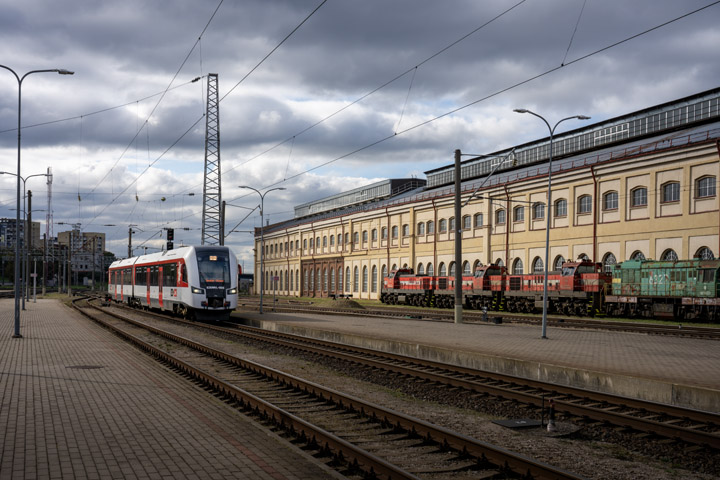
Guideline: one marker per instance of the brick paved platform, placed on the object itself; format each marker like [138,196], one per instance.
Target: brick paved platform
[666,369]
[78,402]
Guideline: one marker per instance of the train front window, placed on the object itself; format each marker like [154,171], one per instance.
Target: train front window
[214,269]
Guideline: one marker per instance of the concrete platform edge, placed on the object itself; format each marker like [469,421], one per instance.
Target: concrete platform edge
[687,396]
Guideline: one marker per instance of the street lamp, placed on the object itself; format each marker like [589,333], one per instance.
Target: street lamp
[17,217]
[262,238]
[28,229]
[548,209]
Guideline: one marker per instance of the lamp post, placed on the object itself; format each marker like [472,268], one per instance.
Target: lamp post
[19,79]
[28,224]
[262,238]
[548,209]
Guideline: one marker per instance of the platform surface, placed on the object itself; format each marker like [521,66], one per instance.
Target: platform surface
[78,402]
[668,369]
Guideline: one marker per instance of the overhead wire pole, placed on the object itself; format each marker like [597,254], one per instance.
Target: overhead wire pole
[212,229]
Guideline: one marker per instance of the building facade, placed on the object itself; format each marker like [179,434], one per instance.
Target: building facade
[642,185]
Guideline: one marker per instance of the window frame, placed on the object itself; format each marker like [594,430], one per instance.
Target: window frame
[670,192]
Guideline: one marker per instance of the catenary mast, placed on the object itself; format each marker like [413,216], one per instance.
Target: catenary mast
[212,233]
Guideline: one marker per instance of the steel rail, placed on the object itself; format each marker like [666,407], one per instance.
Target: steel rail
[501,457]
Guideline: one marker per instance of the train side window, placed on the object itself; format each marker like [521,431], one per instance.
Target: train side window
[708,275]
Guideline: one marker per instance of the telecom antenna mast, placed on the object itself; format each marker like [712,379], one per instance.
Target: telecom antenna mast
[212,229]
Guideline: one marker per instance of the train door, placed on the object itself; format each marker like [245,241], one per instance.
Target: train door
[160,286]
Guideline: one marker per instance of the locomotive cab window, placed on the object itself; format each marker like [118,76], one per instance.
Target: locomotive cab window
[568,271]
[708,275]
[214,268]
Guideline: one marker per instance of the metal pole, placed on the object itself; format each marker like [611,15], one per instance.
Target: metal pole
[16,333]
[458,241]
[548,213]
[262,250]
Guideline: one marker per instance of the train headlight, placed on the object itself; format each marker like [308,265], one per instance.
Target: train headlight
[232,291]
[197,290]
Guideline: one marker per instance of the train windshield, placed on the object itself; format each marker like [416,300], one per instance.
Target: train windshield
[214,268]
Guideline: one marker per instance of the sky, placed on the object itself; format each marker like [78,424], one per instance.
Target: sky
[317,97]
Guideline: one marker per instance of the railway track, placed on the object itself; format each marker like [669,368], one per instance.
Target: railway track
[473,316]
[365,438]
[687,426]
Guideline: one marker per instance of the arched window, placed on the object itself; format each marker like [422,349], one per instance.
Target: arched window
[394,231]
[324,241]
[281,279]
[406,230]
[384,271]
[638,197]
[500,217]
[608,261]
[538,266]
[561,208]
[305,243]
[356,238]
[637,255]
[430,227]
[312,280]
[466,268]
[443,225]
[466,222]
[583,258]
[705,187]
[669,255]
[478,220]
[519,214]
[356,279]
[365,279]
[319,278]
[538,211]
[671,192]
[394,268]
[517,268]
[374,280]
[420,269]
[430,269]
[365,236]
[332,240]
[476,264]
[452,269]
[291,280]
[499,262]
[373,235]
[451,226]
[421,228]
[585,204]
[704,253]
[610,201]
[559,260]
[325,280]
[384,233]
[340,280]
[347,279]
[333,285]
[442,271]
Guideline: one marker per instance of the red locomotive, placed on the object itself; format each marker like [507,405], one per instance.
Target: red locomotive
[577,289]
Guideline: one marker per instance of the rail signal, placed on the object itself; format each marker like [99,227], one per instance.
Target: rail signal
[170,238]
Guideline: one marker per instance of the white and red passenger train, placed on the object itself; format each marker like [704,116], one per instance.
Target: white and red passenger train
[193,282]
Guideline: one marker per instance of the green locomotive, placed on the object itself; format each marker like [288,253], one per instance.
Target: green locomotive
[683,290]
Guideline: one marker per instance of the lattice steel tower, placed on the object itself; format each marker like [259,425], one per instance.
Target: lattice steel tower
[212,229]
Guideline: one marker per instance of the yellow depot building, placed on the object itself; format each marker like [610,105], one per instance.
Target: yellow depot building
[642,185]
